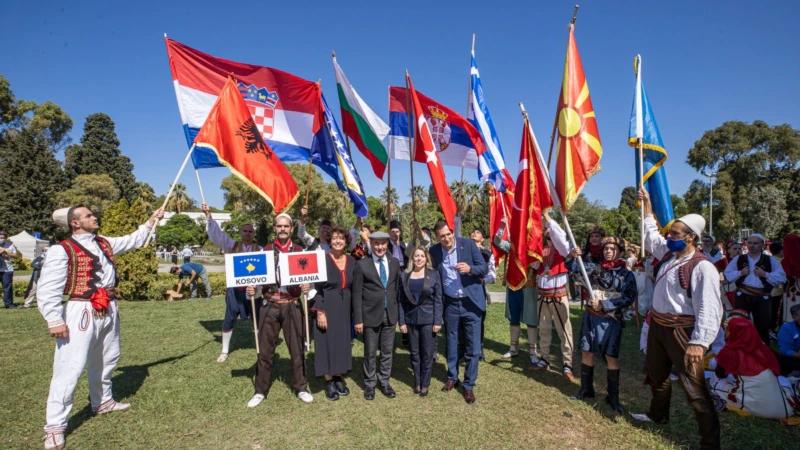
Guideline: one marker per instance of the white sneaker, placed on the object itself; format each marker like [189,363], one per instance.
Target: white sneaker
[54,440]
[255,401]
[642,417]
[511,353]
[305,396]
[112,406]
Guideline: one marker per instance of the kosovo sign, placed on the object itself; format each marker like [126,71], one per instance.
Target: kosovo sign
[302,267]
[249,269]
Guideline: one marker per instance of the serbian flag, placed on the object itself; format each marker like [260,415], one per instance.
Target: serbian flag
[579,148]
[458,142]
[231,135]
[499,208]
[426,150]
[531,197]
[286,109]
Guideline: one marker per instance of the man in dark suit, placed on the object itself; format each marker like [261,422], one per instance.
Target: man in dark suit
[375,286]
[397,247]
[461,267]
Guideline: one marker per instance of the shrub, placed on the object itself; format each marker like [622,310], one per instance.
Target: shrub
[167,281]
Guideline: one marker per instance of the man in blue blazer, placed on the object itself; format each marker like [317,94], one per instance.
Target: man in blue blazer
[461,268]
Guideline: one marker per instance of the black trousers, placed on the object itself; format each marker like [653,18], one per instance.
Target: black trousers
[775,306]
[761,309]
[271,318]
[664,352]
[789,365]
[421,339]
[380,337]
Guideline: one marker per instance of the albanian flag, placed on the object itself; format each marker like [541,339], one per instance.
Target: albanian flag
[579,148]
[230,132]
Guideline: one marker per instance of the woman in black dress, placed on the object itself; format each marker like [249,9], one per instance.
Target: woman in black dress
[332,303]
[420,315]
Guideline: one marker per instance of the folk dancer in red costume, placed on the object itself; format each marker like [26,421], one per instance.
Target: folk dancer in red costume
[236,304]
[87,326]
[553,298]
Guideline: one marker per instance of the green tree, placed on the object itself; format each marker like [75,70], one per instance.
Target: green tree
[376,216]
[679,206]
[145,194]
[419,194]
[136,269]
[97,192]
[179,200]
[628,197]
[180,230]
[765,211]
[389,195]
[746,156]
[583,216]
[99,153]
[30,177]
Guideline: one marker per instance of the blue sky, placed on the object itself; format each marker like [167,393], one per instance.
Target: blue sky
[703,63]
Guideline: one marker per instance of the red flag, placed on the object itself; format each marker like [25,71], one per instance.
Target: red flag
[302,264]
[424,145]
[231,133]
[499,208]
[531,198]
[579,148]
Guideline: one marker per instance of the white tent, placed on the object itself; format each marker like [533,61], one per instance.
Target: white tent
[28,245]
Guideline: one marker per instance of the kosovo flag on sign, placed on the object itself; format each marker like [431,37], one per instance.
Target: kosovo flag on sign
[251,265]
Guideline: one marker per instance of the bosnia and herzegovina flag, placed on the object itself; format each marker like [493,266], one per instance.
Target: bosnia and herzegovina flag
[643,128]
[334,151]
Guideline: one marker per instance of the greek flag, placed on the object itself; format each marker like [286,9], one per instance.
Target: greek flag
[491,164]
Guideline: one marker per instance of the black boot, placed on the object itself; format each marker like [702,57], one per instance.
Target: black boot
[587,383]
[613,391]
[341,386]
[330,390]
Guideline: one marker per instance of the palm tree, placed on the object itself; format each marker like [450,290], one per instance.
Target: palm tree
[457,189]
[180,199]
[390,196]
[419,194]
[473,198]
[144,192]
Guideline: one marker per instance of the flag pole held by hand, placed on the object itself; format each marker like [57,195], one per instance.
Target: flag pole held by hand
[169,194]
[255,320]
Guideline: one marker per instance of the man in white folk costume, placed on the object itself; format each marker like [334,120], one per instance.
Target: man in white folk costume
[86,328]
[236,303]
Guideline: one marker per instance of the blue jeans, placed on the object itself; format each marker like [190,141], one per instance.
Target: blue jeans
[458,314]
[8,288]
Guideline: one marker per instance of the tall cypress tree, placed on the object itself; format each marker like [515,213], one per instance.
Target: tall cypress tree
[99,153]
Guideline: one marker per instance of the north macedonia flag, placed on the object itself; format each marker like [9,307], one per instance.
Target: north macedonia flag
[579,148]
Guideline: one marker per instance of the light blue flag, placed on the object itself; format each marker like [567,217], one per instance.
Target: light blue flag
[644,130]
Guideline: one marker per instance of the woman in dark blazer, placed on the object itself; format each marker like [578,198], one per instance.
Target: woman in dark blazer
[420,314]
[332,304]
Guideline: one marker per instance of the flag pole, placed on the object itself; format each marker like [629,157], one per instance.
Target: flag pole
[555,122]
[199,186]
[469,103]
[169,193]
[557,202]
[641,186]
[411,150]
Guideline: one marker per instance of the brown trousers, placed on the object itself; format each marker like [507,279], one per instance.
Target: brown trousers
[271,318]
[663,352]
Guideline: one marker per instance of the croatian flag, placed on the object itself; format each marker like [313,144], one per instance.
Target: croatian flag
[491,163]
[286,109]
[458,142]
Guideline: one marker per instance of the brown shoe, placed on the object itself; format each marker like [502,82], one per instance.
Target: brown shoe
[569,376]
[450,385]
[469,397]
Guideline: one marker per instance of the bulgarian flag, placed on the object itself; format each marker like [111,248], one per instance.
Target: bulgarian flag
[361,124]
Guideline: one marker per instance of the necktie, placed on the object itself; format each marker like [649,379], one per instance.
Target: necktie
[384,280]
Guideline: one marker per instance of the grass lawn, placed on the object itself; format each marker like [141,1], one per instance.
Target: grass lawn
[181,398]
[19,273]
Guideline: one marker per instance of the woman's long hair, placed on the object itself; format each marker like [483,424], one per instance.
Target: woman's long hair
[428,264]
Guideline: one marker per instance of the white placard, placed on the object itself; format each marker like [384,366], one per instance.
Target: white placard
[249,269]
[302,267]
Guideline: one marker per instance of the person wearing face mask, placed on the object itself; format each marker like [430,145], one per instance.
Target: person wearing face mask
[685,321]
[36,265]
[8,253]
[614,289]
[755,274]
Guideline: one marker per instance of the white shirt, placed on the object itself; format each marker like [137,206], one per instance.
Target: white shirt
[225,242]
[397,252]
[713,259]
[308,240]
[559,239]
[187,252]
[670,298]
[777,276]
[50,290]
[378,261]
[6,264]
